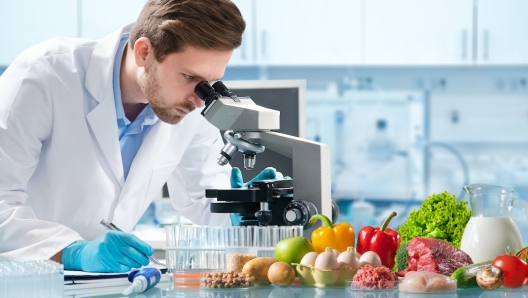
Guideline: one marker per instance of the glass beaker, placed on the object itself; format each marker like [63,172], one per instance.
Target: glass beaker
[491,231]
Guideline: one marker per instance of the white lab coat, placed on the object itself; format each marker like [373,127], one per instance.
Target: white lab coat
[60,163]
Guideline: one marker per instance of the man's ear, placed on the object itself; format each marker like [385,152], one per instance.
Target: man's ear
[143,52]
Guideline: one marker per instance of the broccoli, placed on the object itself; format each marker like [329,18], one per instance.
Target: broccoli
[401,257]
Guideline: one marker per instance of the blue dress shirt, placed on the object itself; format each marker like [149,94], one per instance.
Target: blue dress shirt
[131,134]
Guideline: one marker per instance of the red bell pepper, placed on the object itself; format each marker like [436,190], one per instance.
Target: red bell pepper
[383,241]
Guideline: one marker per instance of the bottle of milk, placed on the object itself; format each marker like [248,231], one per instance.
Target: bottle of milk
[491,231]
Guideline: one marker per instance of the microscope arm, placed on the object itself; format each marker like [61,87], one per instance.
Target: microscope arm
[311,166]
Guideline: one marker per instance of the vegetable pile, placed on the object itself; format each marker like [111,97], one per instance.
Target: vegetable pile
[439,217]
[505,270]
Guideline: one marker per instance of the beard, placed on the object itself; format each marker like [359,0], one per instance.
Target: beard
[149,85]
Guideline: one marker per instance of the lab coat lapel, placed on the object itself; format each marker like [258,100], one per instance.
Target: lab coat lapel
[102,121]
[134,192]
[149,153]
[102,118]
[98,79]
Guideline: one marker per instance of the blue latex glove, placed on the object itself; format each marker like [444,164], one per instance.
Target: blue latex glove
[266,174]
[237,182]
[113,251]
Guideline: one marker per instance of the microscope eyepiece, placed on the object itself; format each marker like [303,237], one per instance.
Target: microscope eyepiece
[205,91]
[222,89]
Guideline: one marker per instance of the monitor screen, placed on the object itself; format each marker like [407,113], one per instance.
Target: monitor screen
[286,96]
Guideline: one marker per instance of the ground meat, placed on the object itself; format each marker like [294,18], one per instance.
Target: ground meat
[369,278]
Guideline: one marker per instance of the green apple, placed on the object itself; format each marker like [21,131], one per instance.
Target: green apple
[292,250]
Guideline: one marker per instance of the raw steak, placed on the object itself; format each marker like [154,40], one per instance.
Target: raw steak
[434,255]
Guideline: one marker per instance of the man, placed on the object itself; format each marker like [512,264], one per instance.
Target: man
[91,130]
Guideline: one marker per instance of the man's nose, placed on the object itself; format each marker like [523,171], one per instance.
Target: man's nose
[198,102]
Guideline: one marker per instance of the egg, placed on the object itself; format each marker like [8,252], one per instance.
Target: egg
[349,257]
[309,259]
[326,260]
[370,258]
[336,252]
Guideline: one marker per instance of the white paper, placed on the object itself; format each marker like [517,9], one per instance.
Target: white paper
[69,273]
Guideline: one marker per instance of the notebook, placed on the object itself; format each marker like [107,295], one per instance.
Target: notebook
[81,279]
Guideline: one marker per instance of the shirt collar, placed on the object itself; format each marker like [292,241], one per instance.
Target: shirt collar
[120,112]
[147,113]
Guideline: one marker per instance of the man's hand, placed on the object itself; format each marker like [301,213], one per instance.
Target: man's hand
[267,173]
[113,251]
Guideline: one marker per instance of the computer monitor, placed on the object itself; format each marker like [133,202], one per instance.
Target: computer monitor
[286,96]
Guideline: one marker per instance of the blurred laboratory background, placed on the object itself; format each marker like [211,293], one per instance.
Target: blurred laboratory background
[414,97]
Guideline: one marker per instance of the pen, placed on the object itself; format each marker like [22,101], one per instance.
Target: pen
[111,226]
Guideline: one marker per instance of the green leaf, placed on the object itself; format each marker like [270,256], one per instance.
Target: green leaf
[440,217]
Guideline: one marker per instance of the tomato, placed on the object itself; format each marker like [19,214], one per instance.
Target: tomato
[523,254]
[514,270]
[526,276]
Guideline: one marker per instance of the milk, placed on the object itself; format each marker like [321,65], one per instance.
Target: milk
[485,238]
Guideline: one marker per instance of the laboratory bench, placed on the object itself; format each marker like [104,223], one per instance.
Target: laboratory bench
[295,291]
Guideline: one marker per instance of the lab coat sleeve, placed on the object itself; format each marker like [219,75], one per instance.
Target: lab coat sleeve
[197,172]
[25,125]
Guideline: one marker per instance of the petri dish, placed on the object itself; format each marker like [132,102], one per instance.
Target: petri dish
[374,286]
[226,281]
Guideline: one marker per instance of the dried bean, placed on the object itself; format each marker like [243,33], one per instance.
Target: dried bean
[229,279]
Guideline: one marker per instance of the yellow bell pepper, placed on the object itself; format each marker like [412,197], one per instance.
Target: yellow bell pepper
[337,237]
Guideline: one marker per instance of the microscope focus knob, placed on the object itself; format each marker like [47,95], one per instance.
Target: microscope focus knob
[293,215]
[299,212]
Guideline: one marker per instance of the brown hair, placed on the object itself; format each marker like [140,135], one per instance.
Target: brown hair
[172,24]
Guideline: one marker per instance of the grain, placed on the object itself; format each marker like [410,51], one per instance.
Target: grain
[235,262]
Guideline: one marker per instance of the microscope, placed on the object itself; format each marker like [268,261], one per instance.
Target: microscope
[249,129]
